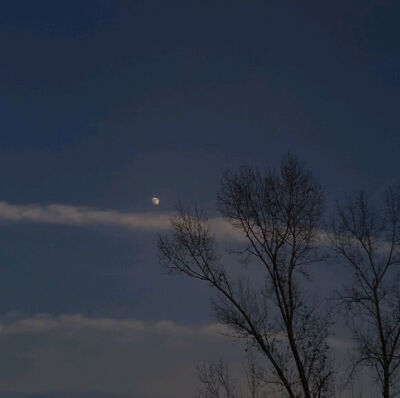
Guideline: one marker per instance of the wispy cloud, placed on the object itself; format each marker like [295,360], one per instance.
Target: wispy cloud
[43,323]
[88,217]
[81,216]
[75,354]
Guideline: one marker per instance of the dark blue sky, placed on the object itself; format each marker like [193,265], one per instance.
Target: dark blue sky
[104,104]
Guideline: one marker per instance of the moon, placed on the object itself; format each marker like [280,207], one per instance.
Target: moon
[155,201]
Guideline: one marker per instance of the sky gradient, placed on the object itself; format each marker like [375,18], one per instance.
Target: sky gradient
[104,105]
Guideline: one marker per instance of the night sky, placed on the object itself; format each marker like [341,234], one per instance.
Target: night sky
[105,104]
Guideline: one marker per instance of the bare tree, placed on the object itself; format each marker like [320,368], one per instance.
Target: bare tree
[216,381]
[278,214]
[254,373]
[367,236]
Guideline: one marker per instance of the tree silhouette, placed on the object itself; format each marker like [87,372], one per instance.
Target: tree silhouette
[278,215]
[367,237]
[217,381]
